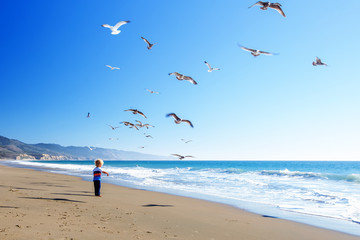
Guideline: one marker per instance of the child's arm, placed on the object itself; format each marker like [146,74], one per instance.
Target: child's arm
[105,173]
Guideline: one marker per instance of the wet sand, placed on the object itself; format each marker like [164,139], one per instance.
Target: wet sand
[41,205]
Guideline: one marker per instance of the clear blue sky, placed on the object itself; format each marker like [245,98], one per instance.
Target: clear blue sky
[53,57]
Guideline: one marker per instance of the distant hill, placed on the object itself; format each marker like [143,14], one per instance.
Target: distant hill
[11,148]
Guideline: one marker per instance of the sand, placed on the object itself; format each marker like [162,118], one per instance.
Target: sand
[41,205]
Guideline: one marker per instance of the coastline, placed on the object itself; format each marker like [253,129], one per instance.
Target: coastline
[42,205]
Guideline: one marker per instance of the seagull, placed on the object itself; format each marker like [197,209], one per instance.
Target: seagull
[135,111]
[266,5]
[148,43]
[178,120]
[141,147]
[130,124]
[181,157]
[113,128]
[91,148]
[186,141]
[88,116]
[115,29]
[141,125]
[255,52]
[151,91]
[181,77]
[318,62]
[210,68]
[112,68]
[148,136]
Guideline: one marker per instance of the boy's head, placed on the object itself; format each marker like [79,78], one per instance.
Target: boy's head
[99,162]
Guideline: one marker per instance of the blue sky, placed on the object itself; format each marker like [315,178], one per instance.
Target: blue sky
[53,57]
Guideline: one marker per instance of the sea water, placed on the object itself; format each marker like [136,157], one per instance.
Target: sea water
[320,193]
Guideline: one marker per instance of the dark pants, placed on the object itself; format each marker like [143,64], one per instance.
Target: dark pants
[97,186]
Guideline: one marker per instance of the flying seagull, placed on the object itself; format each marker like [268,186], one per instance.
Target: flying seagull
[181,157]
[135,111]
[141,125]
[148,136]
[210,68]
[91,148]
[112,68]
[130,125]
[151,91]
[266,5]
[181,77]
[115,29]
[318,62]
[186,141]
[179,120]
[255,52]
[88,115]
[150,45]
[113,128]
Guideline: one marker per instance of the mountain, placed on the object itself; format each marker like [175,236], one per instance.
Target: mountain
[11,148]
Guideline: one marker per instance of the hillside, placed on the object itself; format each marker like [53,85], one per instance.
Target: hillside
[11,148]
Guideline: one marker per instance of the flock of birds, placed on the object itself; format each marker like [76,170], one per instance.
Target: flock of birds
[115,30]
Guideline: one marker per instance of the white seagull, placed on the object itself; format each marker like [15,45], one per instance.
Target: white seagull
[181,77]
[256,52]
[112,68]
[210,68]
[115,29]
[91,148]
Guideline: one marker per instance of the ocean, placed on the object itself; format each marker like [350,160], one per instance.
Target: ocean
[320,193]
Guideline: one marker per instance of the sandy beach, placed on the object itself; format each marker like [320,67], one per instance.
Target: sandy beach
[41,205]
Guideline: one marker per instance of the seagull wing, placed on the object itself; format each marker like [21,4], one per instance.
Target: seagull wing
[188,156]
[246,49]
[187,121]
[119,24]
[277,8]
[207,64]
[257,3]
[141,114]
[174,116]
[178,155]
[265,53]
[318,60]
[190,79]
[106,26]
[148,43]
[176,74]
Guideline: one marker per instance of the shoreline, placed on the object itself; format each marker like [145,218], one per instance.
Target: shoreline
[45,205]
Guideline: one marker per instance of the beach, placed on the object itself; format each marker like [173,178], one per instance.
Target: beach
[42,205]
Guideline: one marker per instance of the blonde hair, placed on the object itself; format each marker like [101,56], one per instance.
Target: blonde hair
[99,161]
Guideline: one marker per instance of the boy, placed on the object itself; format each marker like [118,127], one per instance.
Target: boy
[97,176]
